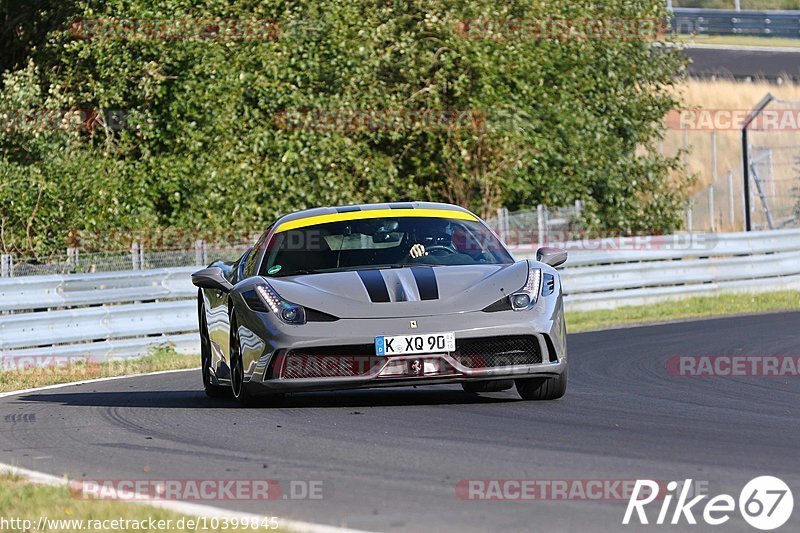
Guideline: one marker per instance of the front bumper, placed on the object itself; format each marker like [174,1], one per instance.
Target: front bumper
[377,378]
[267,348]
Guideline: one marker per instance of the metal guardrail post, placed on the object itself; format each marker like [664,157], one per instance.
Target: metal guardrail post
[746,179]
[713,156]
[136,256]
[711,208]
[541,222]
[686,148]
[731,205]
[72,258]
[200,254]
[746,156]
[6,265]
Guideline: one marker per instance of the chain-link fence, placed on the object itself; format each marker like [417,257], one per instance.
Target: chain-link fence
[525,227]
[711,142]
[137,258]
[537,226]
[773,146]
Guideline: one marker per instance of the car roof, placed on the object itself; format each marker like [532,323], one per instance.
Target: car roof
[321,215]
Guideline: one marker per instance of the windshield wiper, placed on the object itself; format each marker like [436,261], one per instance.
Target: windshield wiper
[302,272]
[388,266]
[299,273]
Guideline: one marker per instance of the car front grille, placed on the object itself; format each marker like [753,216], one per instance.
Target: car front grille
[328,362]
[360,359]
[494,352]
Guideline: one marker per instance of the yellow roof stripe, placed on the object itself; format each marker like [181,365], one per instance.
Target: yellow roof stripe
[373,213]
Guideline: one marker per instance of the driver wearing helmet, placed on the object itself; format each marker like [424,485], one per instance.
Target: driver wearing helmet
[432,235]
[442,242]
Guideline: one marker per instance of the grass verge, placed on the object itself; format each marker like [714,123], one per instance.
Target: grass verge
[23,501]
[699,307]
[741,40]
[27,372]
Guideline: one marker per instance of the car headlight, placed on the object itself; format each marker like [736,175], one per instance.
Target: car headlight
[286,311]
[526,297]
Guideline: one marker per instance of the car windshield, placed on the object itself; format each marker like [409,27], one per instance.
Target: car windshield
[392,242]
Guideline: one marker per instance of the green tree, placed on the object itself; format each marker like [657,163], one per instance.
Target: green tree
[192,133]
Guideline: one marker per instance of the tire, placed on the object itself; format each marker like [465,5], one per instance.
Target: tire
[212,390]
[542,388]
[487,386]
[239,388]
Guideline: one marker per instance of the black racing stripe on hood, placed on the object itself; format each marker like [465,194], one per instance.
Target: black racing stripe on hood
[375,284]
[426,283]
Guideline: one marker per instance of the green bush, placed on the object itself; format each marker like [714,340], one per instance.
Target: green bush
[206,146]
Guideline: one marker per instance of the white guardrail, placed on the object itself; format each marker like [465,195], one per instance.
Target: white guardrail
[122,314]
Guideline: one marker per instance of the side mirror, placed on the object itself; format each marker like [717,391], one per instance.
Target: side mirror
[551,256]
[211,278]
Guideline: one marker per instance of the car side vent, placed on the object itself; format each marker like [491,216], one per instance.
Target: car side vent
[551,349]
[549,285]
[312,315]
[254,302]
[500,305]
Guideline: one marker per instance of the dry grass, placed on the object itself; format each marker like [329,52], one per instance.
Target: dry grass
[722,95]
[729,94]
[741,40]
[25,507]
[690,308]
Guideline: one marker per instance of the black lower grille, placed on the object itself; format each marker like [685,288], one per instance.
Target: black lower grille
[492,352]
[328,362]
[360,359]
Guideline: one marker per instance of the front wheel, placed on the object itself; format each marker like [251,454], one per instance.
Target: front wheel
[238,386]
[542,388]
[212,390]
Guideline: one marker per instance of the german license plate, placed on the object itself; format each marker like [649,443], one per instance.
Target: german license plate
[414,344]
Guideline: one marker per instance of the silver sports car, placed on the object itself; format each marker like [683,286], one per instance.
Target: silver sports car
[382,295]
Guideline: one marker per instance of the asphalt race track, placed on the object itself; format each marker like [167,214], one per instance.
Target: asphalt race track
[389,460]
[741,63]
